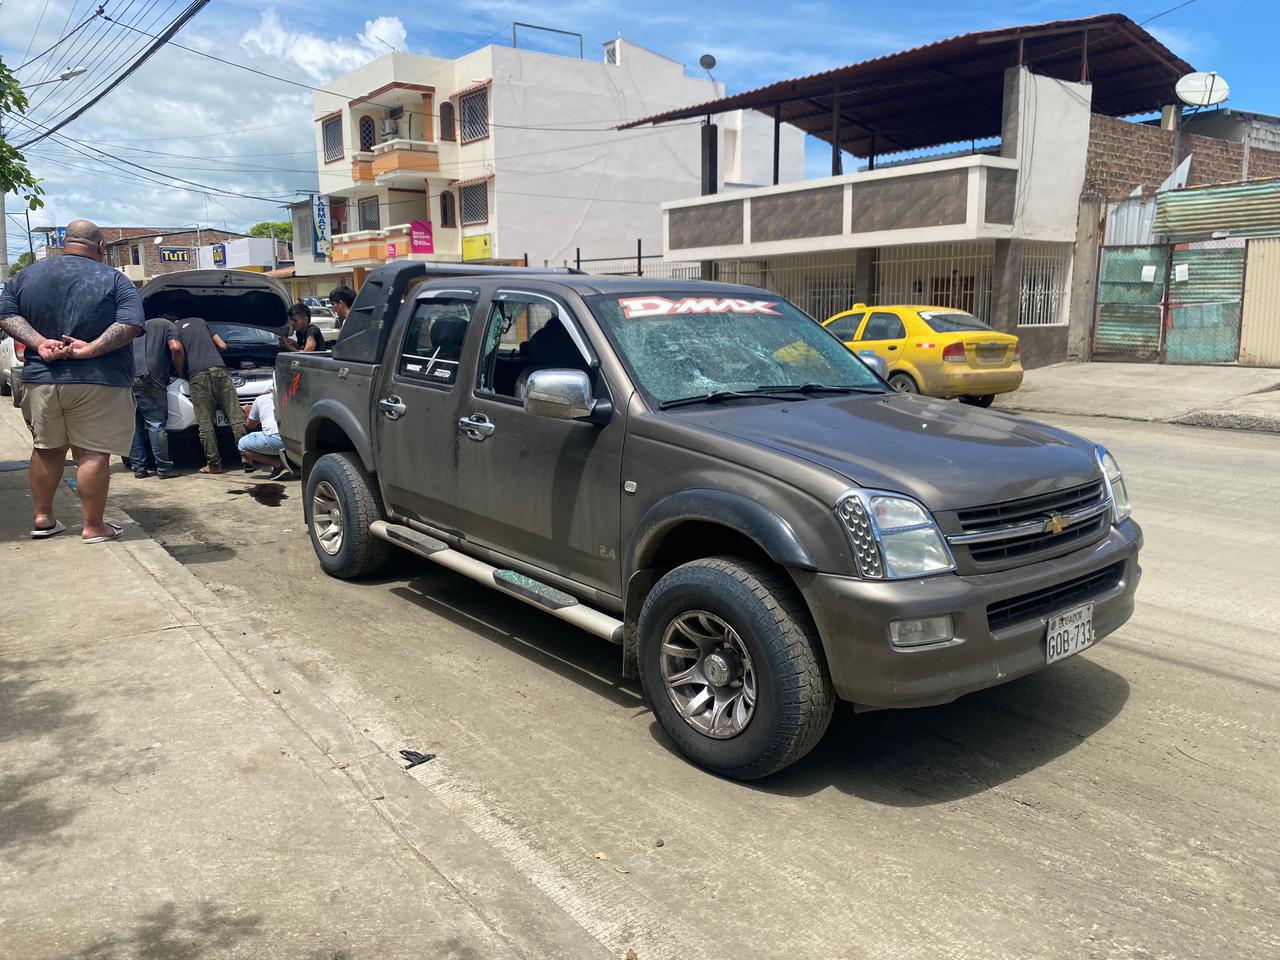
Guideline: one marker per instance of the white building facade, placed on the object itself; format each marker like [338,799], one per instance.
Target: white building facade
[506,154]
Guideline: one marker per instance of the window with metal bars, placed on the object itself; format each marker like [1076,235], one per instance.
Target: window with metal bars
[475,116]
[1042,284]
[331,135]
[368,213]
[368,136]
[475,202]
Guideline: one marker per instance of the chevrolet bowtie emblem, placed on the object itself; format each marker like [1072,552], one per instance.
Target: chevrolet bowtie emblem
[1057,523]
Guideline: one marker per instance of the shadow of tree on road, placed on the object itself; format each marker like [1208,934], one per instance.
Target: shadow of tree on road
[171,932]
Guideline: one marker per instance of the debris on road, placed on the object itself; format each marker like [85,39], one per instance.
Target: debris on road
[415,758]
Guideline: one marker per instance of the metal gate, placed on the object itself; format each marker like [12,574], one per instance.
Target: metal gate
[1260,316]
[1129,319]
[1206,285]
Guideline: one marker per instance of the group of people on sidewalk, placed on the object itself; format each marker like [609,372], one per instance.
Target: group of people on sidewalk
[97,373]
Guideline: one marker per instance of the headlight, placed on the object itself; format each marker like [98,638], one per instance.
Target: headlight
[892,536]
[1117,489]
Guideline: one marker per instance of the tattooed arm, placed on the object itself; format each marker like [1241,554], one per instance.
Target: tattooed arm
[17,327]
[113,338]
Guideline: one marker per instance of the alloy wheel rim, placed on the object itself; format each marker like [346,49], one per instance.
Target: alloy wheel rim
[901,385]
[326,518]
[708,674]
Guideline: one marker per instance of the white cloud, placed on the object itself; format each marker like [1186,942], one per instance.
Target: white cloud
[321,59]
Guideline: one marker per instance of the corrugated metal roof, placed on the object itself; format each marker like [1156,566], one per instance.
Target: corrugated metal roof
[953,90]
[1248,209]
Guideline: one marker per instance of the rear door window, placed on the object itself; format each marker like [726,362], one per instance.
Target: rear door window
[883,326]
[526,332]
[433,340]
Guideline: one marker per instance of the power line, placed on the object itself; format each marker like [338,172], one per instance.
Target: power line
[61,40]
[195,7]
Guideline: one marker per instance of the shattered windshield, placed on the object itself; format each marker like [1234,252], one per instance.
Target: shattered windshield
[677,345]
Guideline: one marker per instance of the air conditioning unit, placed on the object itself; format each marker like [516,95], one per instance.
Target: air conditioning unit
[390,128]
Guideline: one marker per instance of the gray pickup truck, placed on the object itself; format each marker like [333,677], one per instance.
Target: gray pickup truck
[703,475]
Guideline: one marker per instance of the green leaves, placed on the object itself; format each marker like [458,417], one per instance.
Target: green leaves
[15,175]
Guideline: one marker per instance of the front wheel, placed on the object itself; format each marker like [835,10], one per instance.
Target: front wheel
[731,663]
[341,504]
[982,401]
[903,383]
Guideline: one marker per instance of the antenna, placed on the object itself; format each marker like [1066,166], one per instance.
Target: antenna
[708,63]
[1202,89]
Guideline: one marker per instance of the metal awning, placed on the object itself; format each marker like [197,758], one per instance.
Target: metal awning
[953,90]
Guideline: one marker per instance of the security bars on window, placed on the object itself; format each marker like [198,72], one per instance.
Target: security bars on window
[475,116]
[368,213]
[475,202]
[331,134]
[1042,284]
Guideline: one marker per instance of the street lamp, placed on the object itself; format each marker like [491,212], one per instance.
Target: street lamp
[4,240]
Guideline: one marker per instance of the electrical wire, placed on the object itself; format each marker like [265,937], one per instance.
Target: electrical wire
[61,40]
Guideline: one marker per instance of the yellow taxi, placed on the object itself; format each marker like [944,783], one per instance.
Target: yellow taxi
[937,351]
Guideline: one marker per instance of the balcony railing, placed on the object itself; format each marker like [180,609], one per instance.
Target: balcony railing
[376,245]
[410,158]
[362,166]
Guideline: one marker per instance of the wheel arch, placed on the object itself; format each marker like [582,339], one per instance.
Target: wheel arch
[701,523]
[331,427]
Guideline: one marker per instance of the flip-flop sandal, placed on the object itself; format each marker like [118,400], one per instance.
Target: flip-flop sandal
[47,532]
[119,532]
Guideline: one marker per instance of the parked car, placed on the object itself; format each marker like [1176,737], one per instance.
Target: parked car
[937,351]
[11,352]
[249,311]
[704,476]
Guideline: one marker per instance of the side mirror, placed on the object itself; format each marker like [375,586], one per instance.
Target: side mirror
[560,395]
[875,362]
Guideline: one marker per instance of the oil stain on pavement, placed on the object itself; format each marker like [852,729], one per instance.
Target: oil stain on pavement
[267,494]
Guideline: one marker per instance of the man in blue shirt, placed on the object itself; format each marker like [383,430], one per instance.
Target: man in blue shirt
[78,318]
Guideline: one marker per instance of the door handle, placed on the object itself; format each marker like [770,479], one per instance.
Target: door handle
[392,407]
[476,427]
[892,347]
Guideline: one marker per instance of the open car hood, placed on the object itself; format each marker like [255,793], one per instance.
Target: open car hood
[220,296]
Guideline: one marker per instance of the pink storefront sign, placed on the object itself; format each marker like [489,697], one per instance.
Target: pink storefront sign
[420,238]
[391,251]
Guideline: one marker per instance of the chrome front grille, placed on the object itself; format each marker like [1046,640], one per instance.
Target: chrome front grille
[1033,528]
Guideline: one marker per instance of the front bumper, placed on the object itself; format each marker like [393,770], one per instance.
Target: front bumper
[853,618]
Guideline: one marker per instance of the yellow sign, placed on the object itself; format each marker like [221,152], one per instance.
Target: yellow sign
[477,248]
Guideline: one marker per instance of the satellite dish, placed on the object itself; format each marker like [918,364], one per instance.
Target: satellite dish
[707,62]
[1202,89]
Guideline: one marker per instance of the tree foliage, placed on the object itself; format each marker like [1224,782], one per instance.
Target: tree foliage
[281,229]
[25,259]
[15,175]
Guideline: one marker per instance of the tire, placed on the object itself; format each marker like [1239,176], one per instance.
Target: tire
[983,401]
[339,481]
[5,389]
[794,698]
[903,383]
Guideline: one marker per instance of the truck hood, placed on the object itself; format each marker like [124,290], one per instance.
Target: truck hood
[948,455]
[220,296]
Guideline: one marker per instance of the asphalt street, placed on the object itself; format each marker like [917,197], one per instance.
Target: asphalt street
[1121,804]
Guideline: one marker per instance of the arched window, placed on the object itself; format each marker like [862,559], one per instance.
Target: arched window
[366,134]
[446,120]
[448,216]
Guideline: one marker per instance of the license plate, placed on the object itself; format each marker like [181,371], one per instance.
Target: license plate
[1069,632]
[991,353]
[220,419]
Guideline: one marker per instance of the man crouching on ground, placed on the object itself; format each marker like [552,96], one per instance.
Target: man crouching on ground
[78,317]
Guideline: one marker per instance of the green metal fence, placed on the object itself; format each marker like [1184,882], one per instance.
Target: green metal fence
[1128,323]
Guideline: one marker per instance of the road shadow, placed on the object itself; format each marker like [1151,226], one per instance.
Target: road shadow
[173,932]
[930,755]
[540,638]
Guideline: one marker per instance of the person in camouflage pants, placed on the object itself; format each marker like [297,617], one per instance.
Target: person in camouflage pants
[199,350]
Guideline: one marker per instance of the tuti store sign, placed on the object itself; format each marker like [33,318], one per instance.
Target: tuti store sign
[175,255]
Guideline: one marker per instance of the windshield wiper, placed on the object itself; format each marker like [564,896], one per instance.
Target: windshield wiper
[716,396]
[811,388]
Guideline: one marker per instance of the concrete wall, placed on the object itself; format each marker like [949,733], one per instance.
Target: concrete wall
[1084,278]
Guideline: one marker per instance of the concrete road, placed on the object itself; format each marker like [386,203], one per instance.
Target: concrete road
[1121,804]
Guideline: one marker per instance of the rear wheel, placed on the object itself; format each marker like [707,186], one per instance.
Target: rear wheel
[903,383]
[985,400]
[5,389]
[732,666]
[341,504]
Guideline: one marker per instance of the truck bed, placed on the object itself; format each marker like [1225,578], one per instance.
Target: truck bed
[314,387]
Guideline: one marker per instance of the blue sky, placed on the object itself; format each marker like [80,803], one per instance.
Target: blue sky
[228,128]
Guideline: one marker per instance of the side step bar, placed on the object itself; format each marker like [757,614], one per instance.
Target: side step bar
[533,592]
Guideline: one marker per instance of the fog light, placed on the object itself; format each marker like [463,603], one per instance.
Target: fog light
[917,633]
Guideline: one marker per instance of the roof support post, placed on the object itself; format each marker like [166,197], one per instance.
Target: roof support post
[777,136]
[871,156]
[1084,57]
[836,165]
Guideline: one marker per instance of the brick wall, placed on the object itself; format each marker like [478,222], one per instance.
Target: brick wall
[119,254]
[1124,155]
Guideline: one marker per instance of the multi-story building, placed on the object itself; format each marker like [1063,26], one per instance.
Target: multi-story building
[506,154]
[141,253]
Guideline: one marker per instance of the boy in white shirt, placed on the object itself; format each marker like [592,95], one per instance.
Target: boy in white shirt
[264,445]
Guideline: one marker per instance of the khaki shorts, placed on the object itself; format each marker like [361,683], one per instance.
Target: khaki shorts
[85,415]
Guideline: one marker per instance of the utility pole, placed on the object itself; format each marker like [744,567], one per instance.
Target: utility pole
[30,245]
[4,224]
